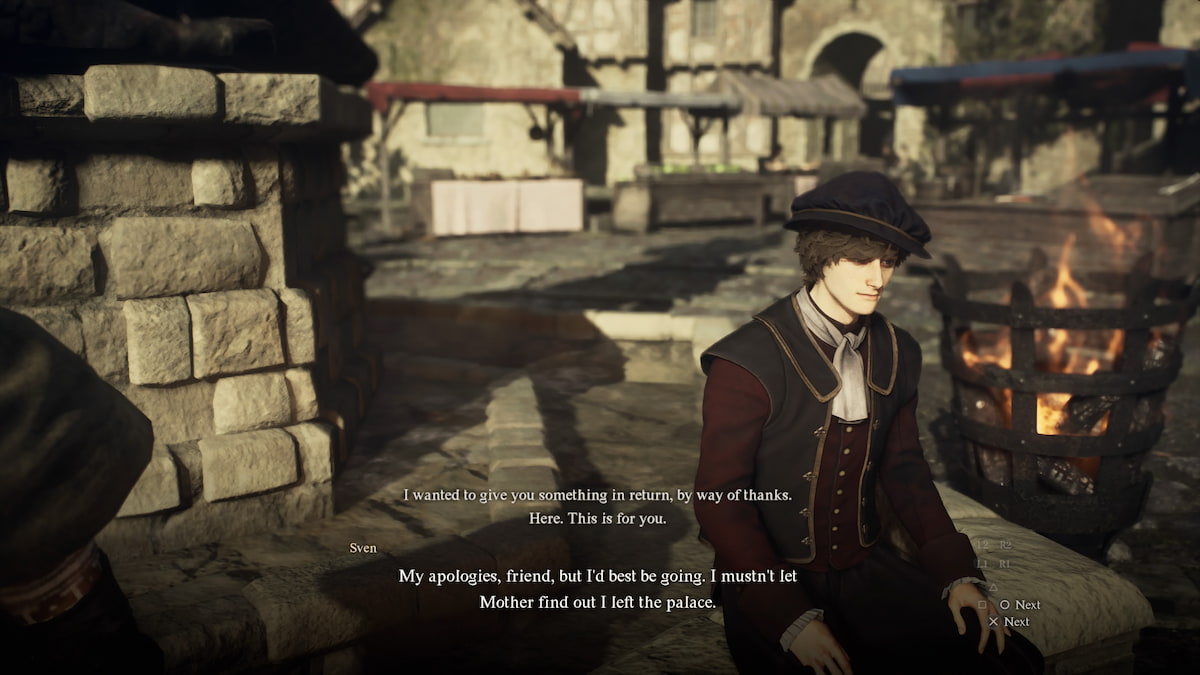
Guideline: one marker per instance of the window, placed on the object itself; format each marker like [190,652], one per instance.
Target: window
[704,18]
[454,120]
[974,18]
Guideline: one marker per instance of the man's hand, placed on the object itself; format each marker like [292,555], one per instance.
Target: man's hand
[816,648]
[966,595]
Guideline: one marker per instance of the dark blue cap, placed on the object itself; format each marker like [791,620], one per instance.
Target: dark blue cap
[862,200]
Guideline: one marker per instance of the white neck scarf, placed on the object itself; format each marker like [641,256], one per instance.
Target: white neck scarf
[850,403]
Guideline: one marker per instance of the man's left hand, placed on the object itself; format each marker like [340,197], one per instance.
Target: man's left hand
[966,595]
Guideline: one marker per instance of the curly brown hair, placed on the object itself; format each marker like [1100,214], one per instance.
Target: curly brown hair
[820,247]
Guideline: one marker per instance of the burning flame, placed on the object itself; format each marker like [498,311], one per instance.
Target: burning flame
[1060,350]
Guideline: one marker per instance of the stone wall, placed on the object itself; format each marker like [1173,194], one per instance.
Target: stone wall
[476,42]
[1181,24]
[182,231]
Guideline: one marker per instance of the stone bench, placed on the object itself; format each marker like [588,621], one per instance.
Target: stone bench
[1084,617]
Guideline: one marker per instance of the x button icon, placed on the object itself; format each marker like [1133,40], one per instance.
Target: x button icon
[993,620]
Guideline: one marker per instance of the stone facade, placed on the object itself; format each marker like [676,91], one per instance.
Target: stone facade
[182,231]
[1181,24]
[740,39]
[476,42]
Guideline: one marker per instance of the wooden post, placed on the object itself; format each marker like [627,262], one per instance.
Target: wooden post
[725,153]
[385,174]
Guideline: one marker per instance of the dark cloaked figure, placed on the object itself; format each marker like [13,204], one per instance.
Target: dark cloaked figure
[72,448]
[816,399]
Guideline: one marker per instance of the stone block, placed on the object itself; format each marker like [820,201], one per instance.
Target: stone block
[220,182]
[241,464]
[150,93]
[516,436]
[40,186]
[534,479]
[273,99]
[149,257]
[235,332]
[46,264]
[514,405]
[263,164]
[122,180]
[320,294]
[502,414]
[61,322]
[314,608]
[247,402]
[645,326]
[510,456]
[50,95]
[157,489]
[104,339]
[159,340]
[302,395]
[179,413]
[269,224]
[657,362]
[299,326]
[315,442]
[632,208]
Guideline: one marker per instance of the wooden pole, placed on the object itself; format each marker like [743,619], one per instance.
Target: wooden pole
[385,174]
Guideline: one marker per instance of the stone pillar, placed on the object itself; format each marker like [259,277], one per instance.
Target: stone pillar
[182,232]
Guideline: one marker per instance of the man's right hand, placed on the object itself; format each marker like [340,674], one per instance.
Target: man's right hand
[816,648]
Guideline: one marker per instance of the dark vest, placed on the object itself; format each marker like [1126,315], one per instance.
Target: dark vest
[784,355]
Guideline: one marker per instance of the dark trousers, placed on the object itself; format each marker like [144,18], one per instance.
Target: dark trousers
[889,618]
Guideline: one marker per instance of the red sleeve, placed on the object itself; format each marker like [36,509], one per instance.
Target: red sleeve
[735,409]
[943,552]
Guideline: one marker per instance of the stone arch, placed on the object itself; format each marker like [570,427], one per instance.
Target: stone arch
[860,54]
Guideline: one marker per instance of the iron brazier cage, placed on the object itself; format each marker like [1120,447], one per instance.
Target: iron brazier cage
[1075,474]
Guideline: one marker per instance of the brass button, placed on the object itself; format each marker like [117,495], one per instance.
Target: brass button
[840,491]
[841,473]
[849,428]
[835,528]
[846,451]
[834,547]
[836,511]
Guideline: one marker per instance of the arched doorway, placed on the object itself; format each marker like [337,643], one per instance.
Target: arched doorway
[865,63]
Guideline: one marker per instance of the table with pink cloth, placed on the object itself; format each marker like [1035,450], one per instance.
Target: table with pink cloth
[461,207]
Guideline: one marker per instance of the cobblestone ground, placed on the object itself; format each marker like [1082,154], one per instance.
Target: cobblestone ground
[609,433]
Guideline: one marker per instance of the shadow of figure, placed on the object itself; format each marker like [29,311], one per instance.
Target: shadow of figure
[674,275]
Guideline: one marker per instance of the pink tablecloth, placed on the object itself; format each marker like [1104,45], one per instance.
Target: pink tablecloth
[490,207]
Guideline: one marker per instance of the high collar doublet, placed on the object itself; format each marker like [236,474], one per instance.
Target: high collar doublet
[804,353]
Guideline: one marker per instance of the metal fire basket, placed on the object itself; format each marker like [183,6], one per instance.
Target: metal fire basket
[997,454]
